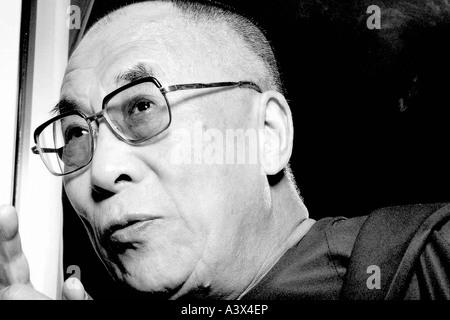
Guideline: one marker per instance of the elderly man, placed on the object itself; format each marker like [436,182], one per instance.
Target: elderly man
[171,209]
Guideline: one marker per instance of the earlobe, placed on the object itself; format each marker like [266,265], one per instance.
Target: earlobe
[277,134]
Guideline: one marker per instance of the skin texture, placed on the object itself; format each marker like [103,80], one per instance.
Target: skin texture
[216,229]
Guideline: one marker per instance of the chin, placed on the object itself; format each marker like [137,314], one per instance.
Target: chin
[145,278]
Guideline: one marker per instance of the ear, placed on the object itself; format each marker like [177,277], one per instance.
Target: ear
[277,134]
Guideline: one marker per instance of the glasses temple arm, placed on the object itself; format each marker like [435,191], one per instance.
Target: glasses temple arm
[35,150]
[247,84]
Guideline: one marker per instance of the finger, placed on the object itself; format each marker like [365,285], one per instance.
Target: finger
[9,222]
[21,292]
[13,263]
[73,289]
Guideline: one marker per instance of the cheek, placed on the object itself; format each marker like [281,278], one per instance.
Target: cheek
[222,204]
[213,198]
[77,188]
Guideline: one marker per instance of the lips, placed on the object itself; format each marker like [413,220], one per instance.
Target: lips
[131,229]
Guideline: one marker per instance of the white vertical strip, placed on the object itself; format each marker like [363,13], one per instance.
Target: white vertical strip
[9,65]
[40,208]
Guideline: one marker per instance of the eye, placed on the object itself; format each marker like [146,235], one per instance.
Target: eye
[141,106]
[74,132]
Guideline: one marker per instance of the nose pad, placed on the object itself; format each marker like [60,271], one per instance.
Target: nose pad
[94,131]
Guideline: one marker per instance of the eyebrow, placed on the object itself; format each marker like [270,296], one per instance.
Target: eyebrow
[65,105]
[136,72]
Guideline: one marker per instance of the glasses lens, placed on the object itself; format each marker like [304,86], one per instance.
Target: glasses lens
[66,144]
[139,112]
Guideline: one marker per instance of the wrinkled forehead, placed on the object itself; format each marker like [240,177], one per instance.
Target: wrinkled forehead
[158,39]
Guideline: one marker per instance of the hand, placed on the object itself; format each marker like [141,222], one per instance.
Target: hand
[14,270]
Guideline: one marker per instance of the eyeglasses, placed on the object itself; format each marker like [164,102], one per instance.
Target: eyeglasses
[136,113]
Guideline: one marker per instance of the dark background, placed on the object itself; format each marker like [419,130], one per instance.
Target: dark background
[370,108]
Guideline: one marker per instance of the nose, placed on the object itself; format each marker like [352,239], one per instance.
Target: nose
[115,165]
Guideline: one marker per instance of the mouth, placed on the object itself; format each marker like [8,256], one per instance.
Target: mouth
[128,231]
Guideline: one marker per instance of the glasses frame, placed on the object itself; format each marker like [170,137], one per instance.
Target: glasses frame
[102,114]
[38,150]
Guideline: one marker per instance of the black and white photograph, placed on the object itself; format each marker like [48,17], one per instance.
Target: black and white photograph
[238,150]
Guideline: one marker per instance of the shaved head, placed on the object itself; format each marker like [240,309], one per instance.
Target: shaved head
[229,42]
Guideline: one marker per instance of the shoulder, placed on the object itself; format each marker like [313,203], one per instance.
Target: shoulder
[430,277]
[314,268]
[334,235]
[409,245]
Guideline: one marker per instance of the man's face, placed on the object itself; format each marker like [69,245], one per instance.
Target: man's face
[173,224]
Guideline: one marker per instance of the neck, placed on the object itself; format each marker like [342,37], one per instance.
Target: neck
[281,228]
[263,243]
[291,223]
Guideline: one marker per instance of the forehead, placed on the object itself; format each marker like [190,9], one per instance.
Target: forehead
[160,38]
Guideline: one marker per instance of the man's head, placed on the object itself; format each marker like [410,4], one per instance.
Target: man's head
[163,225]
